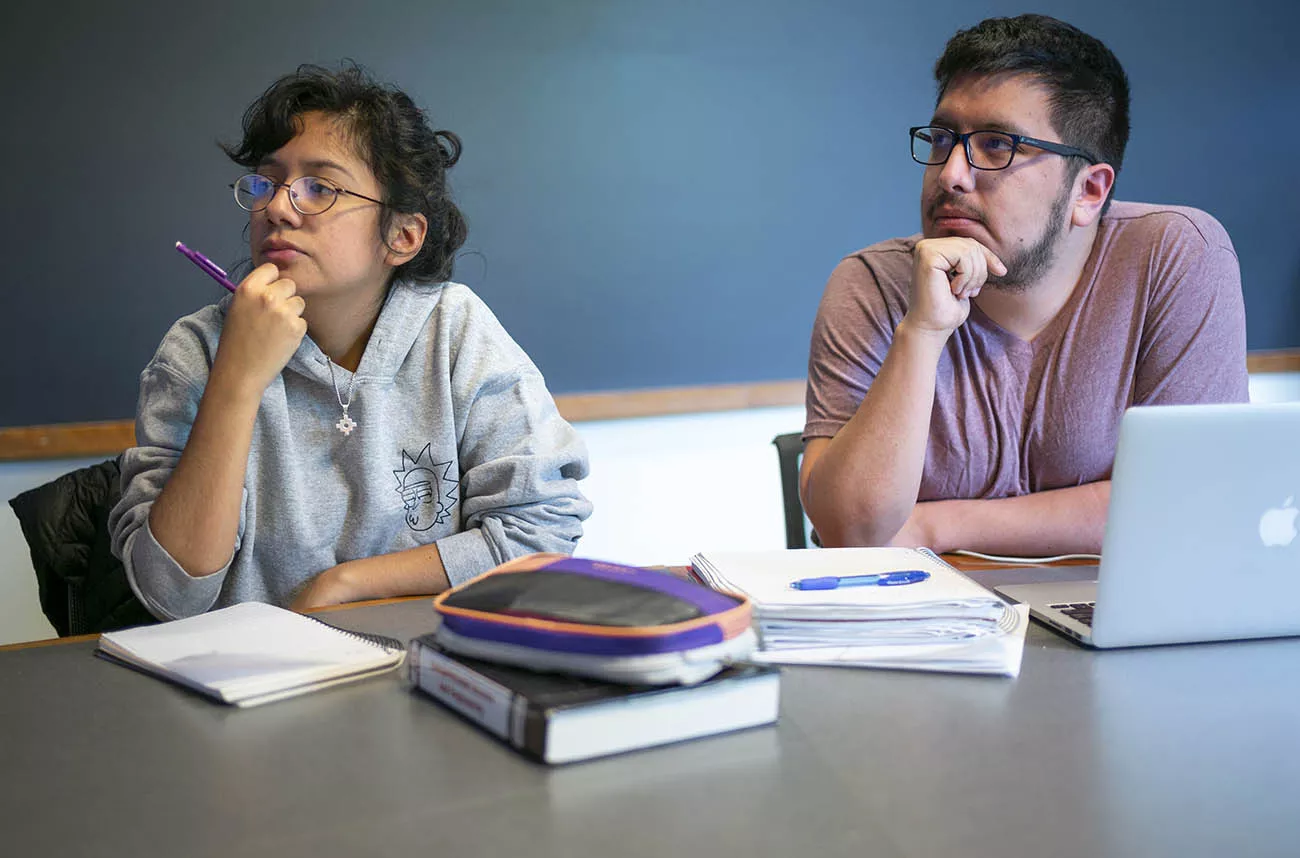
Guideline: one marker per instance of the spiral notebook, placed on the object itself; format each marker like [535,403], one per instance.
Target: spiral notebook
[252,653]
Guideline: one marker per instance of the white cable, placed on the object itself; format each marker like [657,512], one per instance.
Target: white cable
[997,558]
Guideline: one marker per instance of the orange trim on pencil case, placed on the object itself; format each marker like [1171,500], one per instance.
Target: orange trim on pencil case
[731,622]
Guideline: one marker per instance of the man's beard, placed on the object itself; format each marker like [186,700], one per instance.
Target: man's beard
[1027,267]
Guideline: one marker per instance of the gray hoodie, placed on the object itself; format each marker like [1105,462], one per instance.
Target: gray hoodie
[457,442]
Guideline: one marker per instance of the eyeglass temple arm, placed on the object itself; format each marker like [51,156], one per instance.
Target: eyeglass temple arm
[1058,148]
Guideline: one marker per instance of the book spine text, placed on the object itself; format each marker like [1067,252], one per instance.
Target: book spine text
[477,698]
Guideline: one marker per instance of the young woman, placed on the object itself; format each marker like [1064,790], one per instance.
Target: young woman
[347,424]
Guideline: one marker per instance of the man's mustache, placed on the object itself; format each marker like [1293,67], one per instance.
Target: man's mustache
[947,201]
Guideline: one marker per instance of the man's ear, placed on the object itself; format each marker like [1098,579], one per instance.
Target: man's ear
[1092,188]
[406,234]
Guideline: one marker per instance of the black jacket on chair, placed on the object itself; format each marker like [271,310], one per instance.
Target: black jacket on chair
[83,587]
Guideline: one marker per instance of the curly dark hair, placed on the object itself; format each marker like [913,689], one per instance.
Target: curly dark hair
[1087,85]
[391,134]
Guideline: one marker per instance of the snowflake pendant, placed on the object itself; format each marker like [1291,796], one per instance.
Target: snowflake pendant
[346,424]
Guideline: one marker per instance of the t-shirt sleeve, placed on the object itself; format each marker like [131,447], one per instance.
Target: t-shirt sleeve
[854,327]
[1193,347]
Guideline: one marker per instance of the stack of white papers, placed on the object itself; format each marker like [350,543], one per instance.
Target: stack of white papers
[946,622]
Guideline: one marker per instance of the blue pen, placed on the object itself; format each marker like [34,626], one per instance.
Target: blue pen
[209,267]
[884,579]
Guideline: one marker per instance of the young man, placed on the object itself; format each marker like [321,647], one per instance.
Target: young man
[965,386]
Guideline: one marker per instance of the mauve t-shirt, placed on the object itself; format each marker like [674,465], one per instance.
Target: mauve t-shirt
[1156,319]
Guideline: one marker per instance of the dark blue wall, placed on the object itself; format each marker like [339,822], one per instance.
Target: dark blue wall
[656,190]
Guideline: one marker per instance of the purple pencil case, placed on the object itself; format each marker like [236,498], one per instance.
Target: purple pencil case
[626,624]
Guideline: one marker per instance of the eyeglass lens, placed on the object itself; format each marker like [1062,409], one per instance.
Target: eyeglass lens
[988,150]
[308,194]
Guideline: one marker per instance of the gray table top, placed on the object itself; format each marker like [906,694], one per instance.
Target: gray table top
[1188,750]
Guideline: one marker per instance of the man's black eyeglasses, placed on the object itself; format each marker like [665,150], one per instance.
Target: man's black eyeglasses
[985,150]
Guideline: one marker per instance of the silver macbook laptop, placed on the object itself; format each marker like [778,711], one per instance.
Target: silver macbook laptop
[1200,538]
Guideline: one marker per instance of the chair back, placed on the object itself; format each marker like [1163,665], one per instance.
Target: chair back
[789,454]
[82,586]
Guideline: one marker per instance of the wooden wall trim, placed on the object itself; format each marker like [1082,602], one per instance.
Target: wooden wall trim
[107,438]
[1281,360]
[618,405]
[66,440]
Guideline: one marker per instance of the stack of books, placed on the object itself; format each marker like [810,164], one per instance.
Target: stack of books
[560,718]
[935,619]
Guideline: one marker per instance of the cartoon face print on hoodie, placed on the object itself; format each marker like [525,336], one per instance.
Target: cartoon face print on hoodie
[427,488]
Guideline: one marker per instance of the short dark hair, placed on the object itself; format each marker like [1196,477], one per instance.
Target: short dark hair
[391,134]
[1088,88]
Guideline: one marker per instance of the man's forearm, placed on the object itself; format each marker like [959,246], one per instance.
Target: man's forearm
[860,487]
[1061,521]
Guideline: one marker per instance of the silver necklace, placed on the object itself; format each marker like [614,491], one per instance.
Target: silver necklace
[346,424]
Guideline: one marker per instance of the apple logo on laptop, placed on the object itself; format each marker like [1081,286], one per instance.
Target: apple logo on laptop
[1277,526]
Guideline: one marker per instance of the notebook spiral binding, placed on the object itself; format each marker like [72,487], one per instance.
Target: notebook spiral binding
[382,641]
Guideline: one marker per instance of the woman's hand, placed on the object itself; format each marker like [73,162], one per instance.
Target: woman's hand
[331,587]
[263,328]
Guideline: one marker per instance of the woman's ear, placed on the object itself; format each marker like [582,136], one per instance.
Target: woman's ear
[406,234]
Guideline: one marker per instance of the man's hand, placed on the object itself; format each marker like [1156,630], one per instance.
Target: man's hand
[1071,520]
[916,531]
[946,273]
[263,328]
